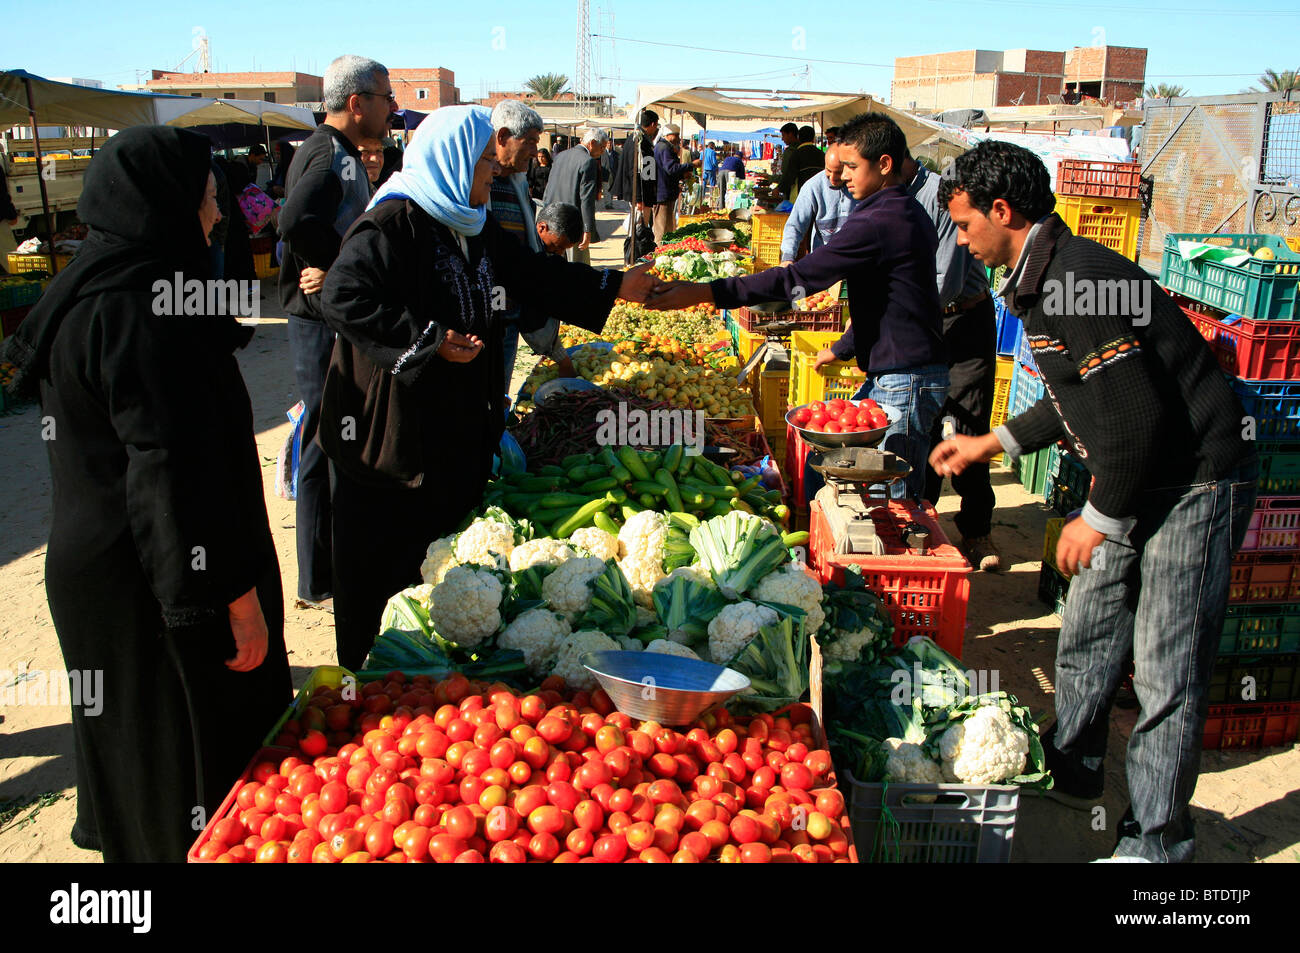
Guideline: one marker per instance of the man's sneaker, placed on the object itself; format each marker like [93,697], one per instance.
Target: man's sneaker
[982,554]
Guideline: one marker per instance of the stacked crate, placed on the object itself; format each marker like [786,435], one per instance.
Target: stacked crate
[1099,200]
[1248,312]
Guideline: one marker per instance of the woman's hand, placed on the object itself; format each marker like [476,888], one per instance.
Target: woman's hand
[249,629]
[459,348]
[954,455]
[310,280]
[637,284]
[678,295]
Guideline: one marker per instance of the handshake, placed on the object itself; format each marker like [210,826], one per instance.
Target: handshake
[641,287]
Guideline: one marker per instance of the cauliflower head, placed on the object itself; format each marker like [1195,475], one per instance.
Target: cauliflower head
[567,590]
[793,587]
[694,572]
[735,627]
[597,542]
[539,552]
[538,633]
[465,607]
[481,539]
[849,645]
[568,660]
[643,536]
[642,573]
[985,748]
[907,763]
[440,556]
[665,647]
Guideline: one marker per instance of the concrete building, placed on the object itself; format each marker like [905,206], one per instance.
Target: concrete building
[424,89]
[285,88]
[985,79]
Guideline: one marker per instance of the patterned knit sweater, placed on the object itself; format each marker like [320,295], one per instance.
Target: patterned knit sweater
[1130,384]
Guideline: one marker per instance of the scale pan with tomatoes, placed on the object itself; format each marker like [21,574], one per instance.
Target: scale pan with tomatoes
[869,421]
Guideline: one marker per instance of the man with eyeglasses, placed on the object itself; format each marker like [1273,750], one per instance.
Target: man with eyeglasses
[326,190]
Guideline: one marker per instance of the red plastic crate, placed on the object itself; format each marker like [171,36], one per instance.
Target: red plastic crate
[1251,726]
[832,319]
[228,805]
[1098,178]
[1275,525]
[1253,350]
[1265,577]
[925,595]
[796,453]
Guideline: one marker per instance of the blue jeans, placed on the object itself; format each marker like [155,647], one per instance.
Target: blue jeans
[919,394]
[310,345]
[1159,595]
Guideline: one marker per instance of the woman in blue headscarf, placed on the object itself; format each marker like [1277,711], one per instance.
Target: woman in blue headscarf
[413,410]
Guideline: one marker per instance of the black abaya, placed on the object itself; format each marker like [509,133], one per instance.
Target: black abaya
[159,520]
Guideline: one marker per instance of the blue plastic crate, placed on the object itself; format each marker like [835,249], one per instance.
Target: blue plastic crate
[1009,329]
[1024,354]
[1068,481]
[1026,390]
[1275,405]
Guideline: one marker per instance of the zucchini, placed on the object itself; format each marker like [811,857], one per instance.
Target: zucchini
[598,486]
[744,486]
[631,461]
[630,509]
[691,495]
[576,460]
[795,539]
[728,490]
[617,495]
[555,501]
[720,508]
[742,506]
[620,473]
[551,470]
[604,521]
[584,515]
[607,458]
[672,494]
[648,501]
[673,457]
[587,471]
[539,484]
[652,460]
[650,487]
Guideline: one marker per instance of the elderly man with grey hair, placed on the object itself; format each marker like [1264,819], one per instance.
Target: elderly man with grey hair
[518,129]
[575,180]
[326,190]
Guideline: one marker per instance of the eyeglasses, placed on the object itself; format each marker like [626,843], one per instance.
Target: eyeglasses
[389,96]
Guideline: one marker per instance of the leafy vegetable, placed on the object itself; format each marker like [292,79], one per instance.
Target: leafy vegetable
[776,662]
[738,550]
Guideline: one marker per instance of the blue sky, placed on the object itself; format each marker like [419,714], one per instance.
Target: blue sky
[1209,47]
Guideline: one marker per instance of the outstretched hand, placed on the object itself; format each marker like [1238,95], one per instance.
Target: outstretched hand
[679,295]
[637,283]
[459,348]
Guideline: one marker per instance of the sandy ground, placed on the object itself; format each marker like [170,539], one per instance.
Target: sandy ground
[1247,804]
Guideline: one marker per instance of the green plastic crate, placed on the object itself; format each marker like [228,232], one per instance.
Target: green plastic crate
[1261,630]
[1032,470]
[1261,289]
[1279,469]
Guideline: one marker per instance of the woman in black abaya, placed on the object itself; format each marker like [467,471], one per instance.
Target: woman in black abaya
[160,570]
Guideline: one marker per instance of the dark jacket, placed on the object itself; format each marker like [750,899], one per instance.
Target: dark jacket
[798,165]
[885,248]
[575,180]
[1138,396]
[399,284]
[627,169]
[538,176]
[326,191]
[671,171]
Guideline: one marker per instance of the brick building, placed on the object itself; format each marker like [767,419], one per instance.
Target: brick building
[286,88]
[984,79]
[422,89]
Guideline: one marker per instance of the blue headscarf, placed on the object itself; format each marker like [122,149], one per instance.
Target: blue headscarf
[438,167]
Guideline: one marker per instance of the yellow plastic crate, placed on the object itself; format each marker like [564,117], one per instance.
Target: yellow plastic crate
[771,393]
[768,227]
[262,267]
[1294,243]
[1110,222]
[841,379]
[747,342]
[22,263]
[766,253]
[1001,391]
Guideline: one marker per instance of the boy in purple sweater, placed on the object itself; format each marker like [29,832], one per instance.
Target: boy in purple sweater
[885,249]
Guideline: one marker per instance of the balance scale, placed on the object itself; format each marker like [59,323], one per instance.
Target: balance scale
[857,484]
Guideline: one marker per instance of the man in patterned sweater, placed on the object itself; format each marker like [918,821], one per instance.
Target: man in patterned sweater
[1136,393]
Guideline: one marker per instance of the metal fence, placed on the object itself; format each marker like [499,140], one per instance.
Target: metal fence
[1221,164]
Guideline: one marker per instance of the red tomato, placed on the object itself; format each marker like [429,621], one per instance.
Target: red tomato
[507,852]
[610,849]
[818,420]
[333,797]
[816,405]
[543,847]
[802,416]
[832,427]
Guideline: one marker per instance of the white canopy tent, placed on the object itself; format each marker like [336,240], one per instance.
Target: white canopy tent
[778,106]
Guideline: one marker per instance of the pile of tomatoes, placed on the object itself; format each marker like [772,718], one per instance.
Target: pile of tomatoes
[840,416]
[464,772]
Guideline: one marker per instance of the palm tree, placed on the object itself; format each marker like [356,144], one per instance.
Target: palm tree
[548,86]
[1165,91]
[1272,81]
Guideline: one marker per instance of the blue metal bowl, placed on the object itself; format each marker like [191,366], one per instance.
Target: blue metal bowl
[664,688]
[562,385]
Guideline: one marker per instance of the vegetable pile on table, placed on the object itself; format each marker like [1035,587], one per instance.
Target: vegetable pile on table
[689,265]
[421,770]
[716,391]
[741,230]
[914,717]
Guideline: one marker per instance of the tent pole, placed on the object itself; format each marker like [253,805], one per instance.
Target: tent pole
[40,177]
